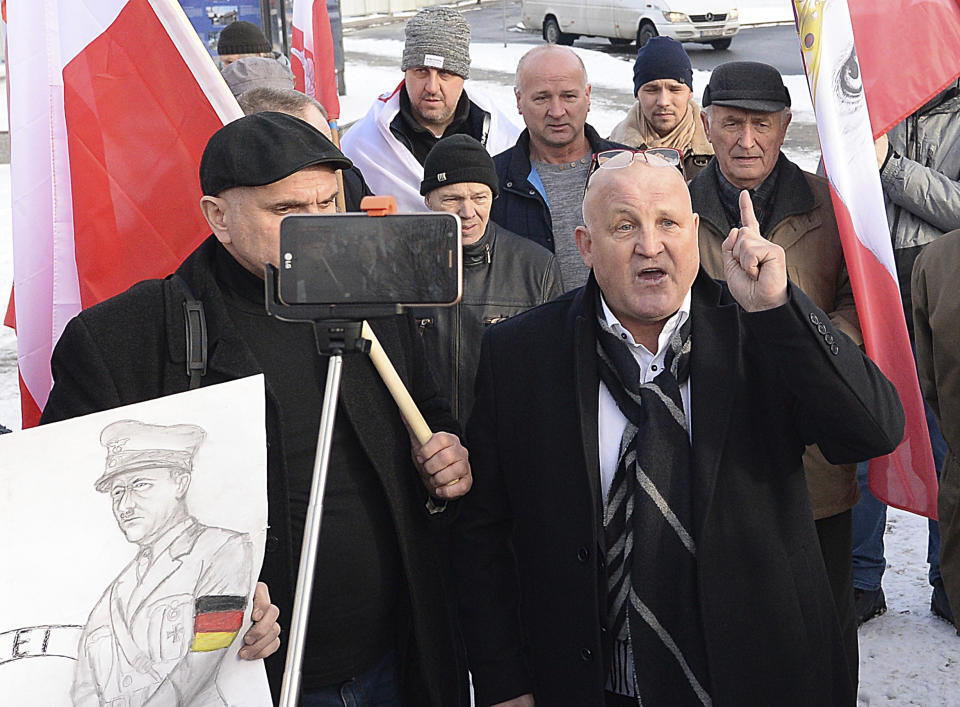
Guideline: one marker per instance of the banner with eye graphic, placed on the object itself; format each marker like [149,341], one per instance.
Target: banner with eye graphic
[842,46]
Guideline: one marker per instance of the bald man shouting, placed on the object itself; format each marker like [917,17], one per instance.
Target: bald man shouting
[639,527]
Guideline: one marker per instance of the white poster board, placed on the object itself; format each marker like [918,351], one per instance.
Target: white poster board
[118,593]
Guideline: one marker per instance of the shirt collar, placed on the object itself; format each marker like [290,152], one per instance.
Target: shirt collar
[166,539]
[670,326]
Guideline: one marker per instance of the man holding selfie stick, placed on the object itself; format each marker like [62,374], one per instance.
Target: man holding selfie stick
[378,623]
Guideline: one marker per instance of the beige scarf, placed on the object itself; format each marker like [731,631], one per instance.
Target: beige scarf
[687,135]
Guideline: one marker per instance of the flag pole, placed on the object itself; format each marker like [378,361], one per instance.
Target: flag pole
[341,198]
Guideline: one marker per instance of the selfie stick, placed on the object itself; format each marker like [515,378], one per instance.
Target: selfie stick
[353,336]
[334,337]
[408,408]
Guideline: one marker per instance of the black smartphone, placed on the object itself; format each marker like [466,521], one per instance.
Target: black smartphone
[340,259]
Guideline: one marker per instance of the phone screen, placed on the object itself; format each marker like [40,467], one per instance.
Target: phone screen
[410,259]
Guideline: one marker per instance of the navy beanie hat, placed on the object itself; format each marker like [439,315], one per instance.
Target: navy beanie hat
[662,58]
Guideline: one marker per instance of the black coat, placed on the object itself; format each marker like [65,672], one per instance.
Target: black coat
[354,188]
[131,348]
[503,275]
[520,207]
[529,534]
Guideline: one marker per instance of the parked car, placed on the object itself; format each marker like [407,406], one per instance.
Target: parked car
[710,22]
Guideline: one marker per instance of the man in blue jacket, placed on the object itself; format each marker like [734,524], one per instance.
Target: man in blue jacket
[543,176]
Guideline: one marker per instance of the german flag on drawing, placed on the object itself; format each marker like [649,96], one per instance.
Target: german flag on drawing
[217,620]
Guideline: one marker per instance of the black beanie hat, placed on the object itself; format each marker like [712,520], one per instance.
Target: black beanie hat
[662,58]
[242,37]
[263,148]
[457,159]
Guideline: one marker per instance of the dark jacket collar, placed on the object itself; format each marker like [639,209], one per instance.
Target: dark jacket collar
[947,101]
[480,252]
[793,196]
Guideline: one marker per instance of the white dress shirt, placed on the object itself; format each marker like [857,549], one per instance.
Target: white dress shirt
[610,425]
[610,421]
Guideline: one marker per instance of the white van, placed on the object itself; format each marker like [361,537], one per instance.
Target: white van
[711,22]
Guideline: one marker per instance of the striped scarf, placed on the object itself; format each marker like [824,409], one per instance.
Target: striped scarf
[653,607]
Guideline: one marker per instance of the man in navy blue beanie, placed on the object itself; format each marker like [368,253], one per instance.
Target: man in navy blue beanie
[665,114]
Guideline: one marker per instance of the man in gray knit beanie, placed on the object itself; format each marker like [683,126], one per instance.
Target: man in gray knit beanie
[431,103]
[436,60]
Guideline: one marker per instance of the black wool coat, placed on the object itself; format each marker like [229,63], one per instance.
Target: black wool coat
[529,535]
[132,348]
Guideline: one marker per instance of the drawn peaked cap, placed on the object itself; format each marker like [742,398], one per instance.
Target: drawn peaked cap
[133,445]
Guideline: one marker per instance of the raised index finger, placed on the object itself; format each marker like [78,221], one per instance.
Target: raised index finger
[748,219]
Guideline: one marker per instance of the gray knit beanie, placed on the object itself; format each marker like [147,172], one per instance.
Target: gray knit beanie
[437,37]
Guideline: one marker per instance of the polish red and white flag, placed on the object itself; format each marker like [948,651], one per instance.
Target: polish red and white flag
[864,80]
[111,105]
[312,54]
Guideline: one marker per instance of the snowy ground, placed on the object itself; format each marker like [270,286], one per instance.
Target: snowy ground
[907,656]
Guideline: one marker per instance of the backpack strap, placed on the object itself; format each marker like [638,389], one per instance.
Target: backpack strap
[196,334]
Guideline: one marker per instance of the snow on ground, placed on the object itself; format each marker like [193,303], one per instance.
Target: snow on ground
[373,69]
[907,656]
[603,70]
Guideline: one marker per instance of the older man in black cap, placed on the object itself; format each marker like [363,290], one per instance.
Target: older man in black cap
[746,114]
[378,623]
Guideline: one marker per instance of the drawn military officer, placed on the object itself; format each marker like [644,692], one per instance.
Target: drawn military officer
[158,634]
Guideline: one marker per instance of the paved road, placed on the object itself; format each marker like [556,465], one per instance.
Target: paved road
[774,45]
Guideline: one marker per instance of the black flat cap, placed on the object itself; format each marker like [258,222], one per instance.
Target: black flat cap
[749,85]
[263,148]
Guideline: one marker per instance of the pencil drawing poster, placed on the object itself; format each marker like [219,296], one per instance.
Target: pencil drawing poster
[131,543]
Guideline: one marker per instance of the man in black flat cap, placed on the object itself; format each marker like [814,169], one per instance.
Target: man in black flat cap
[746,114]
[378,623]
